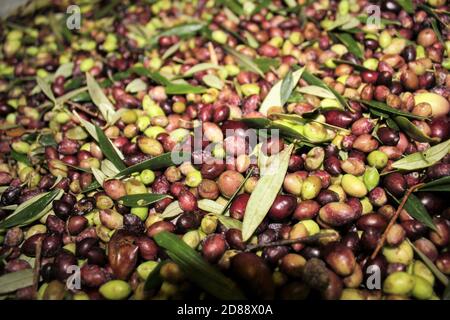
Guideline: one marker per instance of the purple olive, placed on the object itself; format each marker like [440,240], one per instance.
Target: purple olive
[282,207]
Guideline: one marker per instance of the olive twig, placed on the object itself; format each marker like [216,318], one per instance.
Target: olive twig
[37,267]
[307,240]
[393,219]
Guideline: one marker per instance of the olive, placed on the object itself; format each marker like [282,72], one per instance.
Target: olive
[282,207]
[340,258]
[234,239]
[327,196]
[84,246]
[388,136]
[307,209]
[395,183]
[237,208]
[213,247]
[187,221]
[63,261]
[337,214]
[61,209]
[51,245]
[372,220]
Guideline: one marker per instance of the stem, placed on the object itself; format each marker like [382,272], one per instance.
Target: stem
[394,219]
[37,268]
[307,240]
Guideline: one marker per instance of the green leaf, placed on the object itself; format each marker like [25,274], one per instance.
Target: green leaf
[261,5]
[317,91]
[142,200]
[350,44]
[229,222]
[265,64]
[313,80]
[213,81]
[31,210]
[163,161]
[47,140]
[413,131]
[266,190]
[154,279]
[424,159]
[354,65]
[234,6]
[183,88]
[109,150]
[287,85]
[180,30]
[442,184]
[13,281]
[439,275]
[364,18]
[20,157]
[198,270]
[417,210]
[274,98]
[244,60]
[198,68]
[436,30]
[100,100]
[218,210]
[385,108]
[211,206]
[153,75]
[407,5]
[46,89]
[171,50]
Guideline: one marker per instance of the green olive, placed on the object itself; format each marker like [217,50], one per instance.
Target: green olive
[399,283]
[115,290]
[353,186]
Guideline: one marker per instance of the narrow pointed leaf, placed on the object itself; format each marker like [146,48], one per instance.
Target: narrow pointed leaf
[199,68]
[142,200]
[46,89]
[154,279]
[417,210]
[210,206]
[182,88]
[274,98]
[213,81]
[197,269]
[172,210]
[171,50]
[407,5]
[442,184]
[13,281]
[424,159]
[136,85]
[287,85]
[244,60]
[441,277]
[350,44]
[99,98]
[385,108]
[317,91]
[413,131]
[31,210]
[313,80]
[265,192]
[109,150]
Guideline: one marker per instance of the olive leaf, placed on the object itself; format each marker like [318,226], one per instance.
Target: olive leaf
[142,200]
[136,85]
[183,88]
[233,5]
[244,60]
[13,281]
[316,91]
[143,72]
[442,184]
[198,68]
[441,277]
[274,98]
[221,212]
[213,81]
[180,31]
[46,89]
[198,270]
[266,190]
[413,131]
[154,279]
[385,108]
[287,85]
[172,210]
[20,157]
[210,206]
[100,100]
[416,209]
[228,222]
[108,168]
[99,175]
[171,50]
[313,80]
[424,159]
[31,210]
[109,150]
[354,65]
[350,44]
[364,19]
[407,5]
[265,64]
[230,201]
[65,70]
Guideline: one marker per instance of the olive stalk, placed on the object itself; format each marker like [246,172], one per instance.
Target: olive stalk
[393,219]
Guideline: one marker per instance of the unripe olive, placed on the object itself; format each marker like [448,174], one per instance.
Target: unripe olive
[353,186]
[311,187]
[337,214]
[115,290]
[401,254]
[400,283]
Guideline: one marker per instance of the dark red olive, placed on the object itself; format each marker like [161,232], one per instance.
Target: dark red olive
[76,224]
[84,206]
[441,237]
[351,240]
[440,128]
[272,146]
[96,256]
[307,209]
[414,229]
[355,204]
[64,260]
[338,118]
[187,201]
[372,220]
[84,246]
[443,262]
[55,224]
[212,170]
[373,266]
[221,113]
[159,226]
[295,163]
[233,127]
[370,238]
[333,166]
[16,265]
[187,221]
[234,239]
[427,248]
[432,202]
[147,248]
[272,255]
[237,208]
[29,245]
[438,171]
[267,236]
[51,245]
[282,207]
[395,183]
[213,247]
[369,76]
[388,136]
[122,254]
[93,276]
[61,209]
[340,258]
[47,272]
[326,196]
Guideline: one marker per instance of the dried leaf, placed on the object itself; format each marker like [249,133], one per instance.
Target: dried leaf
[13,281]
[136,85]
[213,81]
[172,210]
[265,192]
